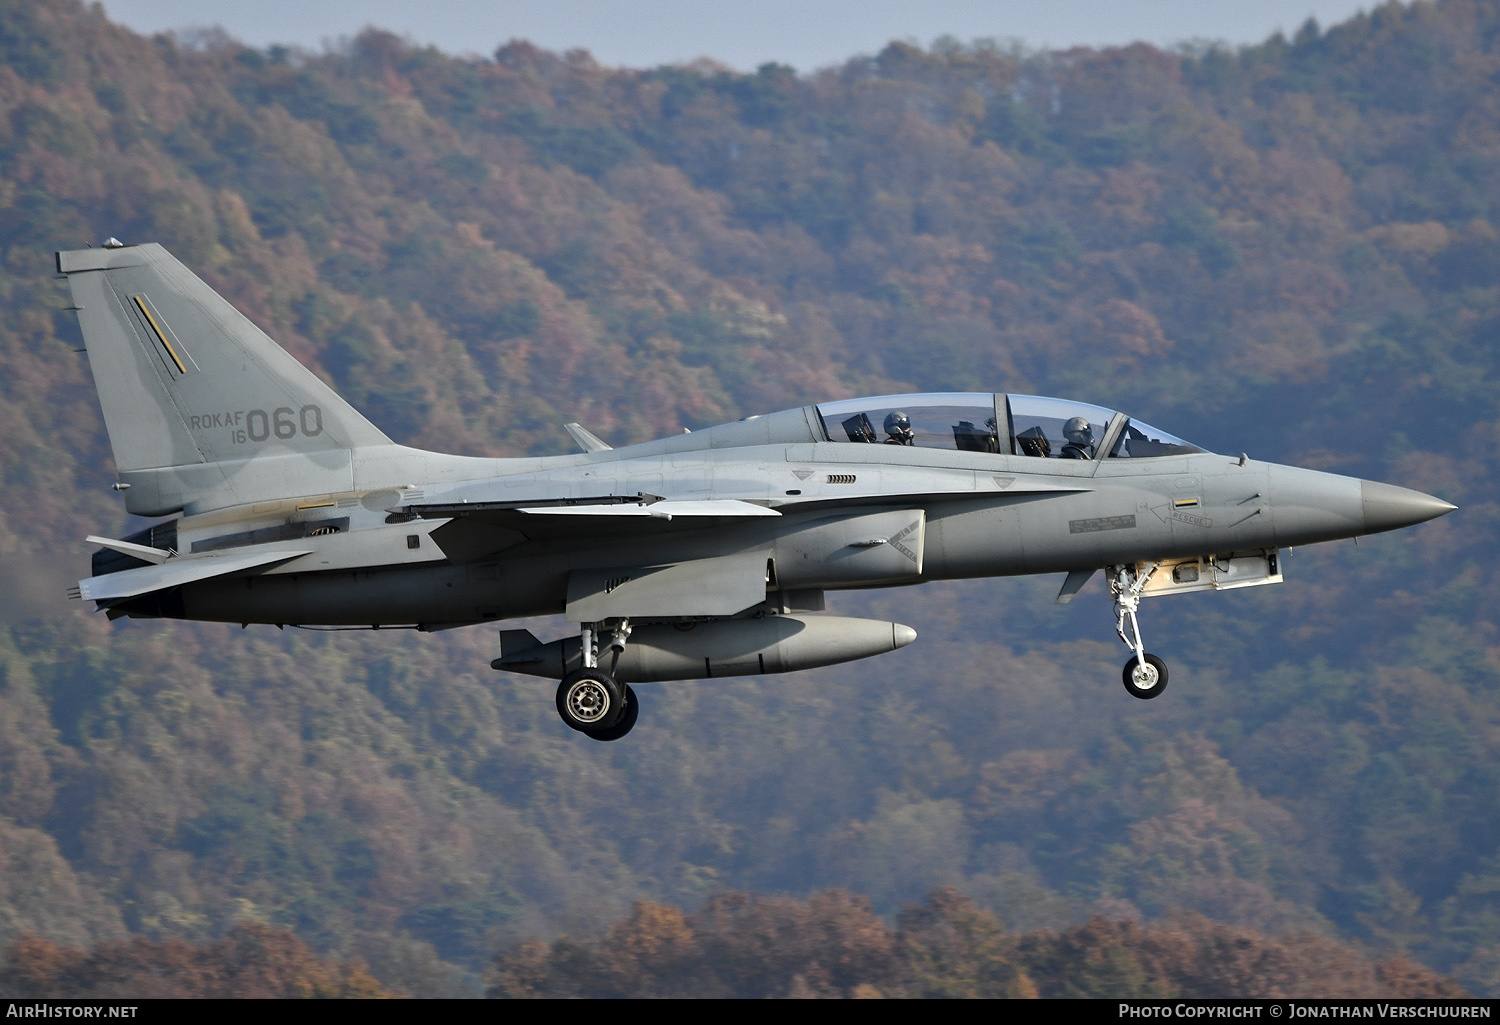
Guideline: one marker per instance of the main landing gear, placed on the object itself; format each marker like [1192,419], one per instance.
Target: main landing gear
[1145,675]
[589,699]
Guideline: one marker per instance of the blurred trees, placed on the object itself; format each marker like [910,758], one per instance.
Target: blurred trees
[250,962]
[830,946]
[1287,248]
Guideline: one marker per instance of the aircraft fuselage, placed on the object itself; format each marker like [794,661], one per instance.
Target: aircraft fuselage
[1101,513]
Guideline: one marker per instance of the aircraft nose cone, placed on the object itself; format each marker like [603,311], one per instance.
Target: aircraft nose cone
[901,636]
[1387,507]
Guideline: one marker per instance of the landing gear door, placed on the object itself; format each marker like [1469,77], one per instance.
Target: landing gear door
[1248,570]
[1215,573]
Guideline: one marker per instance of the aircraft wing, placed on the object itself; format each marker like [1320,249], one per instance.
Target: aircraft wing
[601,505]
[666,509]
[176,572]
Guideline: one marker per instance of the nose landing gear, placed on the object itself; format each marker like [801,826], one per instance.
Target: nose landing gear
[1145,675]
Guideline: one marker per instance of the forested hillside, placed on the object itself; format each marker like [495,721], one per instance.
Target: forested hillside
[1289,249]
[739,945]
[831,945]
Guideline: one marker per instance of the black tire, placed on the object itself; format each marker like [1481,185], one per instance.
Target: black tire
[1152,664]
[589,699]
[626,722]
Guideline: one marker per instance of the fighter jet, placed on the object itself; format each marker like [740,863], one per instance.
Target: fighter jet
[702,555]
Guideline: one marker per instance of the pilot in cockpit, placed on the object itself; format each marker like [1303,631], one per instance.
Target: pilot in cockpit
[898,429]
[1080,438]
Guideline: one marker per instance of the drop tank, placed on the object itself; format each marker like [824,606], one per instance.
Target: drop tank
[726,647]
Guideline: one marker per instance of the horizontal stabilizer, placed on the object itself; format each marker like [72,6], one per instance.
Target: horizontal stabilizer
[174,573]
[146,553]
[662,510]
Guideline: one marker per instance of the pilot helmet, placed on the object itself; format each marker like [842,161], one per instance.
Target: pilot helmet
[1078,431]
[898,425]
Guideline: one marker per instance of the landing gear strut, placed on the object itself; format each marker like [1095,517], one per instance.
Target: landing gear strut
[1145,675]
[589,699]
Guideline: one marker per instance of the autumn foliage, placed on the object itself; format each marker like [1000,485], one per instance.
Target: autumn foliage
[831,945]
[251,961]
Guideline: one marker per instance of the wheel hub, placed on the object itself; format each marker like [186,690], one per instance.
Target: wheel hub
[1145,676]
[588,701]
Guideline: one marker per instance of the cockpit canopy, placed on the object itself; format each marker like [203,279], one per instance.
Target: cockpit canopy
[1022,425]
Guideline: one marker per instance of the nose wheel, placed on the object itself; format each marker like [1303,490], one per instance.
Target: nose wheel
[1145,675]
[1146,679]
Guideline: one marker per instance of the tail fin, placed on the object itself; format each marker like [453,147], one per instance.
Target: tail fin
[203,409]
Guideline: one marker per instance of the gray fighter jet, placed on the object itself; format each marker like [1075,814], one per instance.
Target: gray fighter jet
[694,556]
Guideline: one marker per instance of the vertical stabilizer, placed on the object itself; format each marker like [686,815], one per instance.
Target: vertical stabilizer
[203,409]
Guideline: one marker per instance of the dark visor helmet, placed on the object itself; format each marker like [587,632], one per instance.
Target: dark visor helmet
[1078,431]
[898,425]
